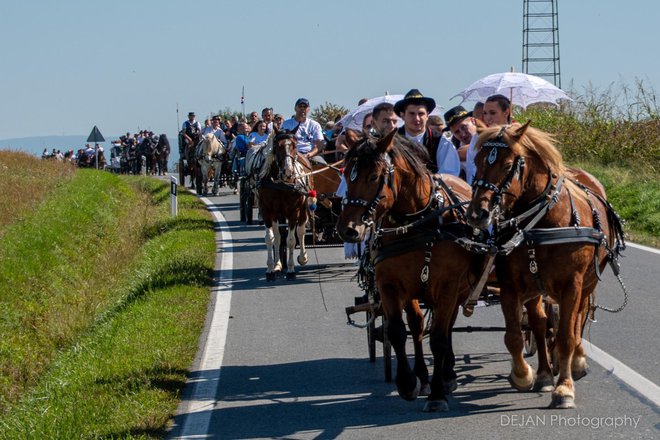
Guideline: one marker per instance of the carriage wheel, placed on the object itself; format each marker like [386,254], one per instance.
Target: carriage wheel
[198,182]
[371,335]
[529,342]
[387,353]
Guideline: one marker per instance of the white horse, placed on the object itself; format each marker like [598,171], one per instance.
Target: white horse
[209,156]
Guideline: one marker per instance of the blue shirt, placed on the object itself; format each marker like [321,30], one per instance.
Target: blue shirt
[241,144]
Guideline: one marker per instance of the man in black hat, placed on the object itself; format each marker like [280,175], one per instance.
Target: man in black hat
[414,109]
[191,128]
[462,125]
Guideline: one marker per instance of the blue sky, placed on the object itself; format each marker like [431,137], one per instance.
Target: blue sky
[69,65]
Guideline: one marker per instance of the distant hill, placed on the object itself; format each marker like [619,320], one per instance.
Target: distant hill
[36,144]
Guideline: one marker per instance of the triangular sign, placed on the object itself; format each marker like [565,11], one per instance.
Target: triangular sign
[95,136]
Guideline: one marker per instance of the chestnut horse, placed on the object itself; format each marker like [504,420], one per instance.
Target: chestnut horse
[416,221]
[283,187]
[554,236]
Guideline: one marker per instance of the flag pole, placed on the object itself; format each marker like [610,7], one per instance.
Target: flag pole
[243,101]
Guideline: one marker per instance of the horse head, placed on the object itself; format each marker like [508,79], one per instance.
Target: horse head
[285,154]
[515,165]
[369,177]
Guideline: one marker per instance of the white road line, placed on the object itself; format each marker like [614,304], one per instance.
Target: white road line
[644,248]
[630,377]
[196,411]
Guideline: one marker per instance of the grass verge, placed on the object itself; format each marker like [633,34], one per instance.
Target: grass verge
[105,297]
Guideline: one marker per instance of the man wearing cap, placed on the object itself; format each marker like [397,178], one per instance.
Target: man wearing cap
[309,135]
[462,126]
[191,128]
[414,109]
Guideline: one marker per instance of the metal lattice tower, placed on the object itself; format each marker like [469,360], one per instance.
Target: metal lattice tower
[541,40]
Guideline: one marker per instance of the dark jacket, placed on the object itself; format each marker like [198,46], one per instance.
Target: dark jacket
[430,142]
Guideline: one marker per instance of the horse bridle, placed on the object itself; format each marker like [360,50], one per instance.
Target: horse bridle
[516,172]
[294,157]
[387,178]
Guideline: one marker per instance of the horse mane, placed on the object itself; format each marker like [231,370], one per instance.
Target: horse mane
[270,157]
[406,154]
[538,142]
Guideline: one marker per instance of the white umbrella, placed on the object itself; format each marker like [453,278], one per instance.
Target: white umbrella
[354,118]
[523,89]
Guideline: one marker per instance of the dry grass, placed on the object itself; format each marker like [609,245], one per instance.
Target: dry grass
[25,181]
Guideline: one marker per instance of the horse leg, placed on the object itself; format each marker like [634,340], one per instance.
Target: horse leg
[444,382]
[579,367]
[270,243]
[276,247]
[522,375]
[216,177]
[302,256]
[291,247]
[537,319]
[415,319]
[563,395]
[407,384]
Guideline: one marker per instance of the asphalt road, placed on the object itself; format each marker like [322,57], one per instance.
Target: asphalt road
[279,361]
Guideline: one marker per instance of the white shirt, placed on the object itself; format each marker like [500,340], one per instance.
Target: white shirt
[447,158]
[256,139]
[470,166]
[218,133]
[308,133]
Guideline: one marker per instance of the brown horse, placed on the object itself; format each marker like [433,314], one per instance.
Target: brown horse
[187,147]
[413,249]
[326,179]
[554,237]
[283,188]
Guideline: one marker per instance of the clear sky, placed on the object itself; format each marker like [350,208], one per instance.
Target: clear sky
[68,65]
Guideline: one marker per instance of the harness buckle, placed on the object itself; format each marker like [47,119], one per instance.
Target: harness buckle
[533,267]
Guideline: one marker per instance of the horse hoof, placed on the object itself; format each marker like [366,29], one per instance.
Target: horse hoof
[562,402]
[450,386]
[518,386]
[302,259]
[577,375]
[412,395]
[436,406]
[290,276]
[544,385]
[425,390]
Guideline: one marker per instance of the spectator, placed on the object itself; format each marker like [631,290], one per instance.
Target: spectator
[414,109]
[309,134]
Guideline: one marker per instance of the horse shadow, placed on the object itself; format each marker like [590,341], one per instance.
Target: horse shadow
[327,397]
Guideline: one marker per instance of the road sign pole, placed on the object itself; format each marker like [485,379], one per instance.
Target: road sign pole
[173,200]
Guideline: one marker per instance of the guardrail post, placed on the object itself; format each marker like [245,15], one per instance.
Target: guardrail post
[173,200]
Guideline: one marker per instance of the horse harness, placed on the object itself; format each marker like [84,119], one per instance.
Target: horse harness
[509,234]
[414,231]
[300,185]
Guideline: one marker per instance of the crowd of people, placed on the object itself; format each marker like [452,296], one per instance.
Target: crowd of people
[449,142]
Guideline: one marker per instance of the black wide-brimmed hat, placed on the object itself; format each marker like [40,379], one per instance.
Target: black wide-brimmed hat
[455,114]
[414,96]
[191,114]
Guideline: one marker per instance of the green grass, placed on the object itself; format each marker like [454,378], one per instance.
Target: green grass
[104,296]
[636,198]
